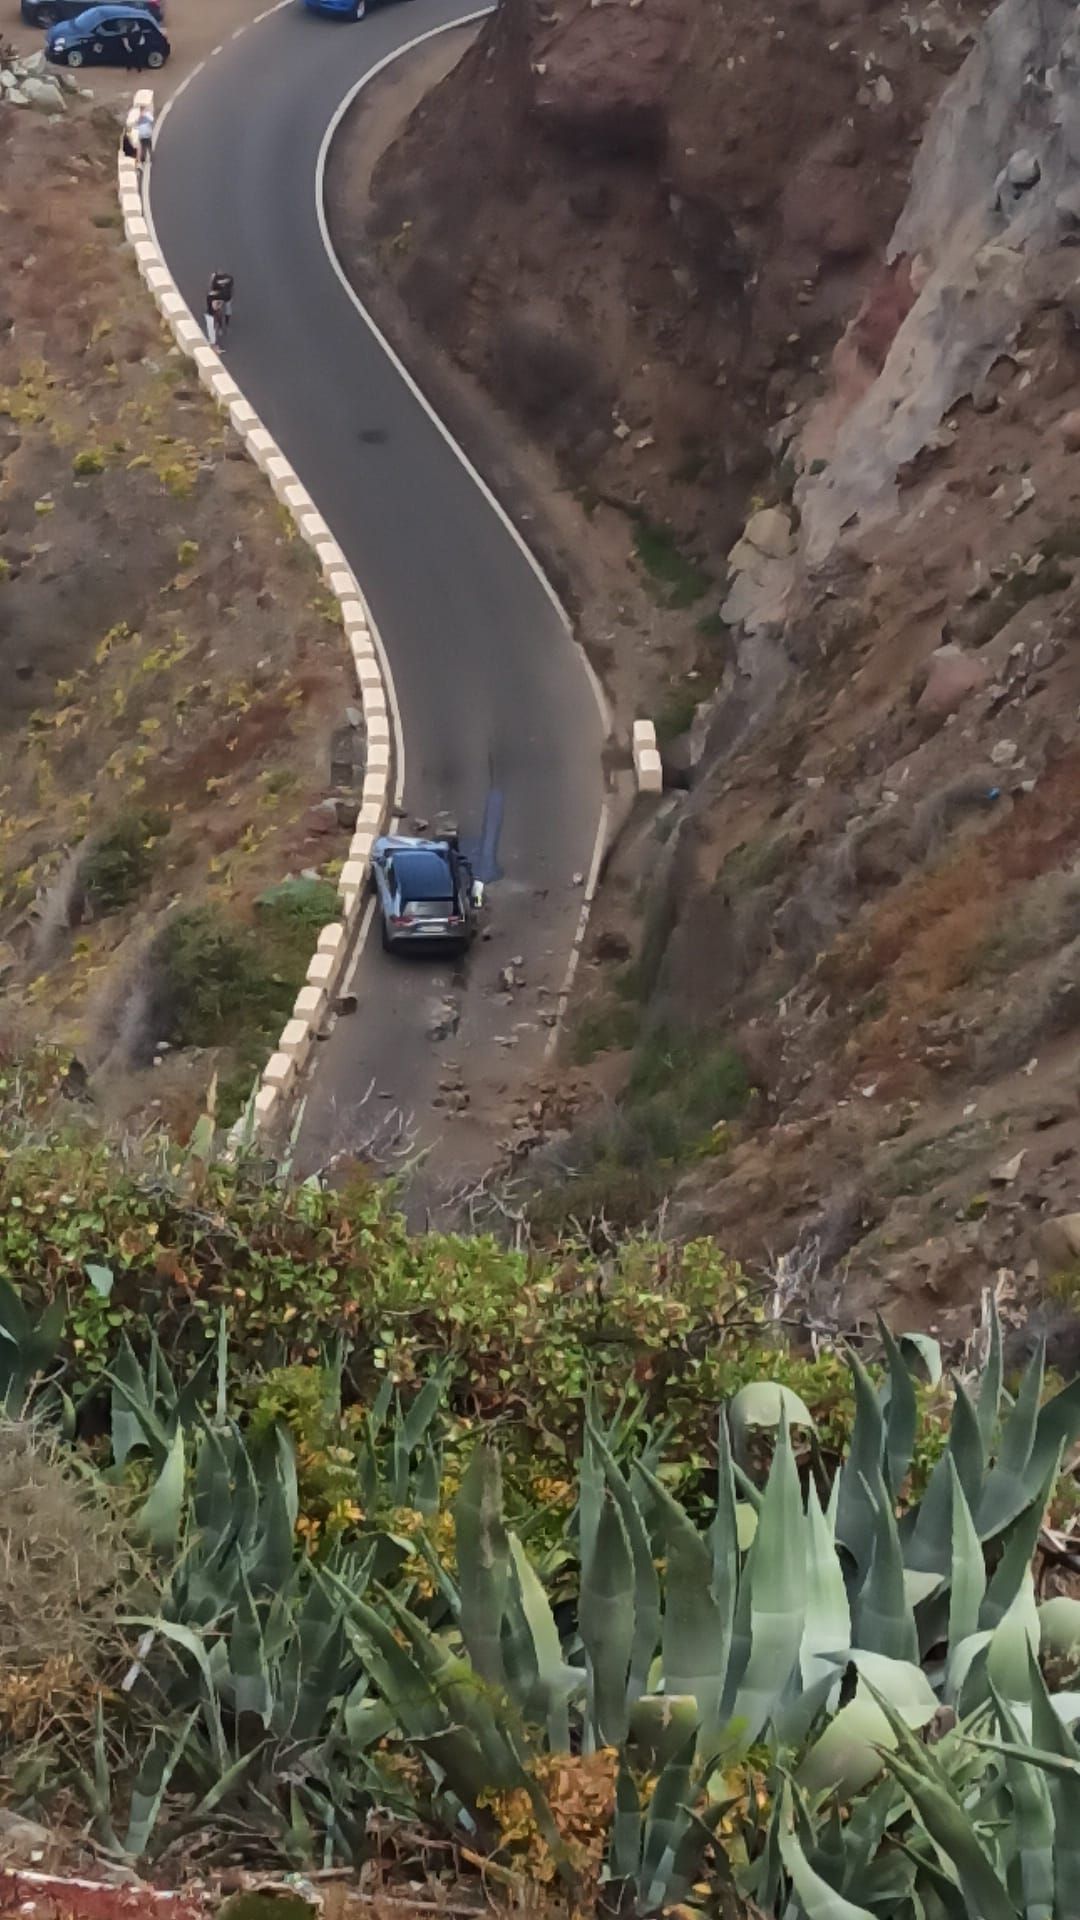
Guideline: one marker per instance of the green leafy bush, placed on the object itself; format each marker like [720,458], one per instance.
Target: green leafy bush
[217,983]
[117,867]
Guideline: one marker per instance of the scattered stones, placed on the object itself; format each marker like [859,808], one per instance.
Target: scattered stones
[1004,753]
[444,1020]
[1024,498]
[1017,177]
[1004,1175]
[508,978]
[346,811]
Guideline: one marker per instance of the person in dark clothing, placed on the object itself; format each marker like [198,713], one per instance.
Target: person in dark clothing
[221,288]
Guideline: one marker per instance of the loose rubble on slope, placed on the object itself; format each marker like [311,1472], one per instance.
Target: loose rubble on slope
[25,81]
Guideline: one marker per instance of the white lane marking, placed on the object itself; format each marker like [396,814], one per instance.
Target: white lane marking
[161,119]
[465,20]
[237,31]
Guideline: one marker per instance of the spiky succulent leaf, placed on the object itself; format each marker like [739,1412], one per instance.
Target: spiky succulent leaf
[483,1561]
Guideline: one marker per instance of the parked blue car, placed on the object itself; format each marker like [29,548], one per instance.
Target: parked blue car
[108,36]
[338,9]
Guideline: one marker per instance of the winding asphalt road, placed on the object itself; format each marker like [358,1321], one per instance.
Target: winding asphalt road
[500,723]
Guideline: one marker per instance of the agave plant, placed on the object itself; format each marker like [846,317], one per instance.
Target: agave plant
[799,1624]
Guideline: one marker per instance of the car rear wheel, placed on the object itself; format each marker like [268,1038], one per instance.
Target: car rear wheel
[155,57]
[74,57]
[388,945]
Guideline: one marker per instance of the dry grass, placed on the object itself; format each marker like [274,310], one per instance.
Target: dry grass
[62,1564]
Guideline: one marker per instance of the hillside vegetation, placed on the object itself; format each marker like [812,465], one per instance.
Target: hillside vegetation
[572,1569]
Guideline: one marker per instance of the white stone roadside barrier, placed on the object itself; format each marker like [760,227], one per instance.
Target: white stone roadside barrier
[281,1072]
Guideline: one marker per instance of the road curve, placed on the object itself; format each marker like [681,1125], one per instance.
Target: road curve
[500,723]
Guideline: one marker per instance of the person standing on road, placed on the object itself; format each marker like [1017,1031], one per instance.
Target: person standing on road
[215,321]
[144,134]
[221,288]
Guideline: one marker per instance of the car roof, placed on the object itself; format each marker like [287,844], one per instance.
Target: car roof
[424,873]
[113,13]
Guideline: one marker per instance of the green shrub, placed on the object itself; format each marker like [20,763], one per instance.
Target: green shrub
[679,581]
[608,1026]
[220,984]
[118,866]
[90,461]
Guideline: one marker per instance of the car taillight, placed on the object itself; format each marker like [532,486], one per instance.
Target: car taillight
[455,919]
[401,920]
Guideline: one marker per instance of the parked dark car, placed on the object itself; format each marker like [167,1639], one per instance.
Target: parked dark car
[108,37]
[45,13]
[426,892]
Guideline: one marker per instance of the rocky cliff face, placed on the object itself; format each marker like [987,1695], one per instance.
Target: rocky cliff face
[643,222]
[827,257]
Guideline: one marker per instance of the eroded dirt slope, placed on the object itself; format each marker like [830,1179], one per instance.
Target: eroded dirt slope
[171,678]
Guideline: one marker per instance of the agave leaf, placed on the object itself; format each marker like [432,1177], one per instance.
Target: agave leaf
[554,1677]
[1015,1637]
[247,1660]
[827,1625]
[928,1531]
[158,1519]
[776,1576]
[133,1421]
[883,1621]
[606,1625]
[1017,1550]
[646,1581]
[901,1414]
[151,1782]
[426,1405]
[1008,1487]
[855,1517]
[1050,1739]
[924,1349]
[483,1561]
[626,1828]
[765,1404]
[952,1831]
[696,1635]
[15,1322]
[271,1563]
[968,1581]
[665,1823]
[1057,1427]
[1032,1822]
[817,1899]
[725,1539]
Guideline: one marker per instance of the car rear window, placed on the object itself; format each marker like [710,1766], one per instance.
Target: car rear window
[423,876]
[429,909]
